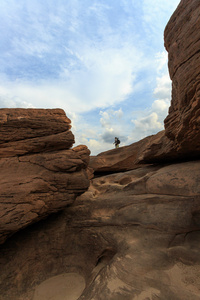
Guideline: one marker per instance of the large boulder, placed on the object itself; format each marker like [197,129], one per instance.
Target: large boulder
[40,174]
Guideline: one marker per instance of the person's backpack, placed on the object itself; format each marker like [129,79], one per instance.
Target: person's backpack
[118,142]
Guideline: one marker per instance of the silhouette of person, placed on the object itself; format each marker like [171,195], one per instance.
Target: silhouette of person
[116,142]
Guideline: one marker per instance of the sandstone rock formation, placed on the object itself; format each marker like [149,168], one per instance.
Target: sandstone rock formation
[182,125]
[120,159]
[40,174]
[181,138]
[135,233]
[132,235]
[123,158]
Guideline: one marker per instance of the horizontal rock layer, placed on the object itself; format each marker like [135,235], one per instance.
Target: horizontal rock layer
[24,131]
[40,174]
[31,122]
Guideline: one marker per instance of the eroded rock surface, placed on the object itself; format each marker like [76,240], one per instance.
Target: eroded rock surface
[182,125]
[132,235]
[25,131]
[40,174]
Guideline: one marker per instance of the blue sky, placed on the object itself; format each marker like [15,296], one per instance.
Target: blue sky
[102,61]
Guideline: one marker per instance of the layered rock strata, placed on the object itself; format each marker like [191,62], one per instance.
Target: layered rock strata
[132,235]
[182,125]
[40,174]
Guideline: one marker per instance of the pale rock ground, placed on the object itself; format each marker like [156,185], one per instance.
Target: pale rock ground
[61,287]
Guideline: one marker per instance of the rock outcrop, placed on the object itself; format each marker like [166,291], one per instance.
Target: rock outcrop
[182,125]
[40,174]
[121,159]
[135,233]
[132,235]
[181,139]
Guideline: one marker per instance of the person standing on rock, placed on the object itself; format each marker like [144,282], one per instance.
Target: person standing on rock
[116,142]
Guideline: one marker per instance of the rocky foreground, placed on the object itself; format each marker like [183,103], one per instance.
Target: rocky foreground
[132,232]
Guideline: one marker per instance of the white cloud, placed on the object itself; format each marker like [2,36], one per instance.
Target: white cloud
[7,99]
[95,66]
[147,124]
[104,78]
[112,123]
[119,113]
[110,117]
[155,14]
[163,88]
[151,120]
[101,138]
[95,145]
[90,56]
[160,105]
[161,61]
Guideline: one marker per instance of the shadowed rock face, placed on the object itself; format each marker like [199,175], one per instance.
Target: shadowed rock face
[132,235]
[40,174]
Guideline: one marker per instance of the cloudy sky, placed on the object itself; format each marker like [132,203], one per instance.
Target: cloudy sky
[102,61]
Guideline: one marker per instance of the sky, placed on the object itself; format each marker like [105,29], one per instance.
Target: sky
[102,61]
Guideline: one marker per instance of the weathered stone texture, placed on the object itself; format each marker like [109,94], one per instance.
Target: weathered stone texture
[182,41]
[132,235]
[24,131]
[135,233]
[182,125]
[39,173]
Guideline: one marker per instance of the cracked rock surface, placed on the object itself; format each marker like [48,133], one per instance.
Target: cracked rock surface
[40,174]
